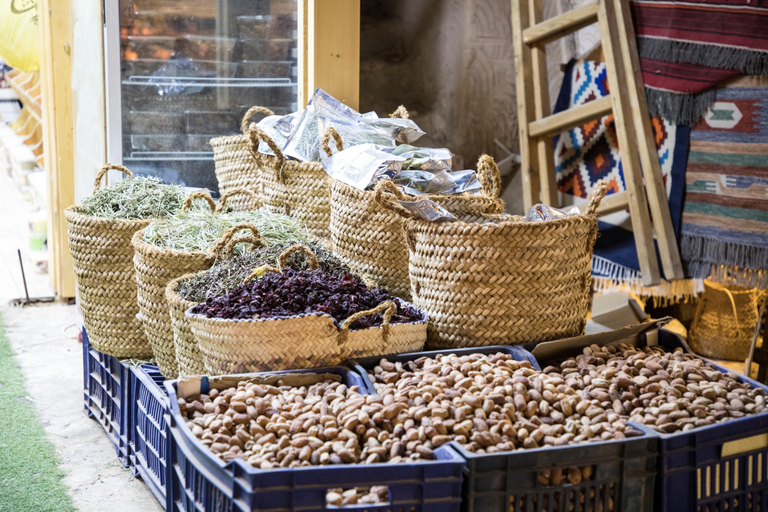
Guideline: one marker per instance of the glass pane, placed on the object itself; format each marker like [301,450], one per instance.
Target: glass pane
[190,70]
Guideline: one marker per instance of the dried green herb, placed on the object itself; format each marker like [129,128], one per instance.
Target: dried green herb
[227,274]
[199,230]
[135,198]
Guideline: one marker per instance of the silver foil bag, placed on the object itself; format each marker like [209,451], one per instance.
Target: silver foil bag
[428,210]
[362,166]
[541,212]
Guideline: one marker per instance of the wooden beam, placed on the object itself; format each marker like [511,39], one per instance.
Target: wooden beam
[649,156]
[56,76]
[567,119]
[561,25]
[333,49]
[524,92]
[627,139]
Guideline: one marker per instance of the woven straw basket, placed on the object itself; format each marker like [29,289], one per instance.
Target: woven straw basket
[369,238]
[235,164]
[106,282]
[297,189]
[495,279]
[303,341]
[188,355]
[156,267]
[724,322]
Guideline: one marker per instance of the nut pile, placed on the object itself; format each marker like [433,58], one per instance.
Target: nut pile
[666,391]
[284,426]
[492,403]
[374,495]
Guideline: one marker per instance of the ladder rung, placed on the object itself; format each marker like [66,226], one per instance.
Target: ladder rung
[610,204]
[567,119]
[560,25]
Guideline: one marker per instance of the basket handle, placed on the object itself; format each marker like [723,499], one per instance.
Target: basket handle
[601,187]
[331,132]
[105,169]
[228,234]
[387,307]
[400,113]
[252,112]
[198,195]
[490,179]
[229,248]
[255,201]
[390,201]
[256,135]
[306,251]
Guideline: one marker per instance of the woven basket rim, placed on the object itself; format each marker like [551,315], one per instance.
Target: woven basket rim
[147,249]
[370,194]
[227,139]
[294,165]
[440,228]
[73,214]
[224,321]
[171,290]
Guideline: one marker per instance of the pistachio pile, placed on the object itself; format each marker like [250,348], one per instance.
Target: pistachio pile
[666,391]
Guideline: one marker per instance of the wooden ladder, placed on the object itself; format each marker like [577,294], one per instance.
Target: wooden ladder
[627,103]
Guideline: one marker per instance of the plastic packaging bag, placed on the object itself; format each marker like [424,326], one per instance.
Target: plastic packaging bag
[425,159]
[428,210]
[540,212]
[19,39]
[278,128]
[437,183]
[363,165]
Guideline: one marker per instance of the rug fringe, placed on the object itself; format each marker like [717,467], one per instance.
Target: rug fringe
[749,62]
[680,108]
[702,254]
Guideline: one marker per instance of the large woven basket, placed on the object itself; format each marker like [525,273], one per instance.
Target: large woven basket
[303,341]
[156,267]
[369,238]
[724,322]
[495,279]
[188,355]
[106,281]
[235,163]
[297,189]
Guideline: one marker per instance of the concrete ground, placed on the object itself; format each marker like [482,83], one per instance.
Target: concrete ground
[45,341]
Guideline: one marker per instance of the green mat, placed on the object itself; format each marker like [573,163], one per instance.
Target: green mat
[30,479]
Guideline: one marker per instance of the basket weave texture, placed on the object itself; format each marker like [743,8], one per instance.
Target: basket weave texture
[494,279]
[302,341]
[156,267]
[235,163]
[188,355]
[297,189]
[724,322]
[369,238]
[105,277]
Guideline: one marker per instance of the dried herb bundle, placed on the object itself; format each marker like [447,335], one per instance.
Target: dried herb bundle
[199,230]
[135,198]
[227,274]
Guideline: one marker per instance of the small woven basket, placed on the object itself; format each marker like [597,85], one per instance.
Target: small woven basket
[495,279]
[235,163]
[156,267]
[106,281]
[724,322]
[297,189]
[369,238]
[188,355]
[302,341]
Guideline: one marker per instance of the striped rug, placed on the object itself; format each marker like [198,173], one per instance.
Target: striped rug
[725,210]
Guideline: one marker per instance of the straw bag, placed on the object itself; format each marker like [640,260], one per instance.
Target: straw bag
[302,341]
[156,267]
[725,321]
[188,355]
[297,189]
[106,282]
[369,238]
[235,164]
[495,279]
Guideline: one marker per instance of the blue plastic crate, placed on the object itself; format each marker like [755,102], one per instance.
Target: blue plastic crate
[149,430]
[362,365]
[622,471]
[106,394]
[202,482]
[719,468]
